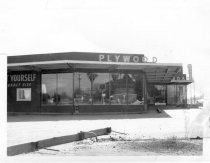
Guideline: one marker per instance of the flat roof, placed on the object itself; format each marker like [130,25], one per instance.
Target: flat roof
[155,72]
[79,56]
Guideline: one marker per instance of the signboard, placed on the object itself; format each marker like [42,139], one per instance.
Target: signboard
[20,80]
[82,56]
[125,58]
[190,71]
[181,77]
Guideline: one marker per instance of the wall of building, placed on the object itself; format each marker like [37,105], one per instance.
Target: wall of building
[32,80]
[44,87]
[17,82]
[93,109]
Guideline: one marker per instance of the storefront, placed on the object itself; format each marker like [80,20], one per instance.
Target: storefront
[92,82]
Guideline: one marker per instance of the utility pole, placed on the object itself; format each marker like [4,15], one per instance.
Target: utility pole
[79,79]
[190,94]
[194,91]
[190,78]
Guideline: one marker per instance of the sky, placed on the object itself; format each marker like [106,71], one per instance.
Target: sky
[174,31]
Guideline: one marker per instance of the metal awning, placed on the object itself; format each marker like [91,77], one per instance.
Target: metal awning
[165,74]
[155,72]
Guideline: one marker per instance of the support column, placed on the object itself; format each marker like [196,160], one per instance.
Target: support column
[185,95]
[73,88]
[176,95]
[145,92]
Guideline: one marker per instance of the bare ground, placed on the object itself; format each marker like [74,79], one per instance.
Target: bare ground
[179,123]
[147,134]
[117,147]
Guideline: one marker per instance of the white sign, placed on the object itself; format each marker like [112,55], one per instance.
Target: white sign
[125,58]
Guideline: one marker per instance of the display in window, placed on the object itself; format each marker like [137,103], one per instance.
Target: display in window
[82,88]
[118,90]
[49,95]
[92,89]
[135,89]
[65,89]
[156,94]
[57,89]
[101,89]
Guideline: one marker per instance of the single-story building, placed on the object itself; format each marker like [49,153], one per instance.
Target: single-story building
[83,82]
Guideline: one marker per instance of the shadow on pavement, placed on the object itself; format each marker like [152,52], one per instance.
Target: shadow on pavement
[69,117]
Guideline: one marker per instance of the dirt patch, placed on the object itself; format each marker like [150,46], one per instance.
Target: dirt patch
[170,146]
[113,147]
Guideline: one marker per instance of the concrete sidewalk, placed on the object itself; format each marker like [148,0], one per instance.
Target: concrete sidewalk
[169,123]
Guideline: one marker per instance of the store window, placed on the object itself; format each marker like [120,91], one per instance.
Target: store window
[92,89]
[49,93]
[57,89]
[177,94]
[135,89]
[23,94]
[181,94]
[101,89]
[156,94]
[83,83]
[65,89]
[118,90]
[171,94]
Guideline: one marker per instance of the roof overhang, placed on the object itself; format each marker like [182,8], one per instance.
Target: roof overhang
[158,73]
[155,72]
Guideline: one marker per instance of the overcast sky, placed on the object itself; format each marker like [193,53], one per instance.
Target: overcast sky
[175,31]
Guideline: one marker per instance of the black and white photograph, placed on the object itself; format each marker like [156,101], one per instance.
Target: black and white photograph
[105,80]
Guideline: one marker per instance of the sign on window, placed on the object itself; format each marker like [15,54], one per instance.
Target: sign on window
[23,94]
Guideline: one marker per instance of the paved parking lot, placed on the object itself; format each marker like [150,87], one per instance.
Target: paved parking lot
[175,122]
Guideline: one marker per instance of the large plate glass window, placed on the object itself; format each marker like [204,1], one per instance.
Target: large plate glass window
[49,94]
[118,90]
[83,83]
[171,94]
[156,94]
[177,94]
[100,88]
[181,94]
[65,89]
[135,89]
[57,89]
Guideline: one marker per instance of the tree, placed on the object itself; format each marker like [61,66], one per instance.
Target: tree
[92,77]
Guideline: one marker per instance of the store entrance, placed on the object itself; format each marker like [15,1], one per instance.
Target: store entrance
[157,94]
